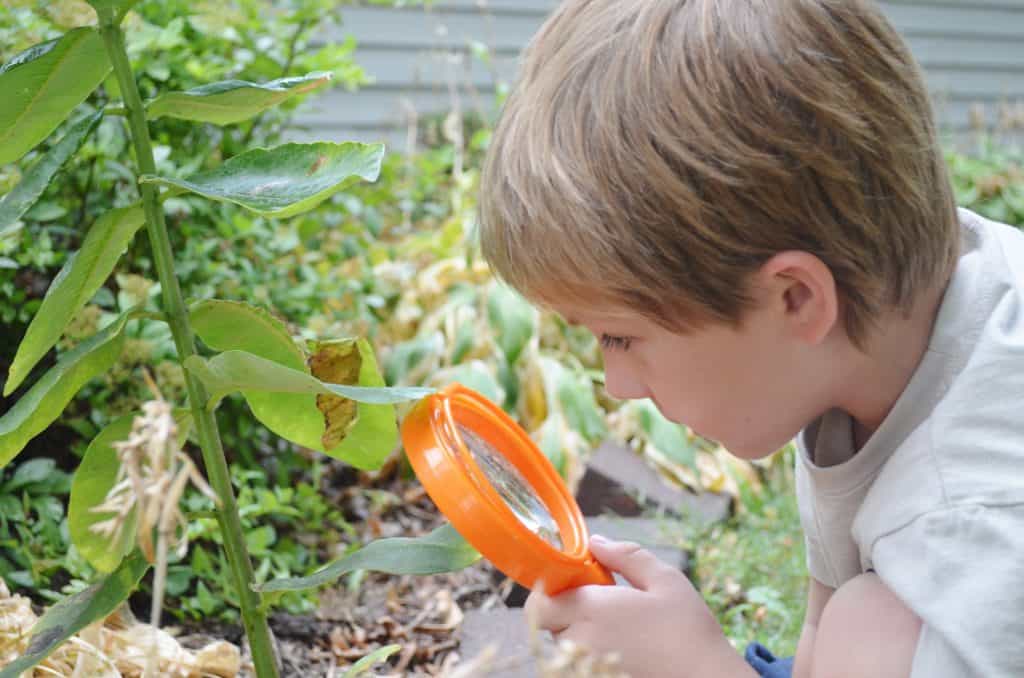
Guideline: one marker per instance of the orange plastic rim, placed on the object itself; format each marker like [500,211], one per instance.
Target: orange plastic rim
[462,492]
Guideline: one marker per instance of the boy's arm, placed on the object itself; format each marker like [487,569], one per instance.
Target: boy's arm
[817,596]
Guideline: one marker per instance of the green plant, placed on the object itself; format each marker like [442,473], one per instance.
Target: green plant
[751,569]
[328,395]
[285,527]
[990,181]
[34,531]
[175,46]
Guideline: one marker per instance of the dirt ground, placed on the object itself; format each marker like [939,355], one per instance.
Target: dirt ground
[419,613]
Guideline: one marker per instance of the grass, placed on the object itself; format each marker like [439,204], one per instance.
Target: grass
[751,569]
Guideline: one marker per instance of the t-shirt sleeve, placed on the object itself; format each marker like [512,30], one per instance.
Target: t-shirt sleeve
[959,569]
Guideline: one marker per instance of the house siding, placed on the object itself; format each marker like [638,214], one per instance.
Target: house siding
[422,62]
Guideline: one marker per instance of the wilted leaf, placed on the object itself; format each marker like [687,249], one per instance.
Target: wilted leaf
[336,362]
[37,178]
[74,613]
[513,318]
[44,402]
[43,84]
[225,103]
[285,180]
[94,478]
[443,550]
[78,280]
[366,441]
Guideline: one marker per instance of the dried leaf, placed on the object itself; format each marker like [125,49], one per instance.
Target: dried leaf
[336,362]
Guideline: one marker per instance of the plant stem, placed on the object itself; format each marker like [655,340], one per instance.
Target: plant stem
[254,616]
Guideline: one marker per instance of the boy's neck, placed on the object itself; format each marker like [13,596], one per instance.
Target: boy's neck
[880,373]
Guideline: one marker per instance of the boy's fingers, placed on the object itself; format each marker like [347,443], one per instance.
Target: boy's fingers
[550,614]
[639,566]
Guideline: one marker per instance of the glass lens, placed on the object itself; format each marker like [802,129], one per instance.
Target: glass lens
[513,488]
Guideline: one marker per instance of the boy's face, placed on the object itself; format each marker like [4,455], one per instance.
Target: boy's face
[750,388]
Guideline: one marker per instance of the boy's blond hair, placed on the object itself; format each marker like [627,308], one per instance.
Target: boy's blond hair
[654,153]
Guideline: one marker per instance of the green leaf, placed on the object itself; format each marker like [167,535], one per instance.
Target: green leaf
[407,355]
[475,375]
[360,433]
[443,550]
[367,662]
[112,11]
[229,325]
[513,319]
[575,397]
[233,325]
[231,101]
[669,438]
[363,440]
[77,281]
[44,402]
[37,178]
[551,440]
[43,84]
[73,614]
[285,180]
[93,479]
[31,472]
[240,371]
[313,405]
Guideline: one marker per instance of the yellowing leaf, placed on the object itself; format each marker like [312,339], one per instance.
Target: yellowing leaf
[336,362]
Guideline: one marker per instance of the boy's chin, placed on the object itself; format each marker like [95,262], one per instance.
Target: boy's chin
[753,450]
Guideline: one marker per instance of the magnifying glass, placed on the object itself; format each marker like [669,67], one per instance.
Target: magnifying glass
[499,491]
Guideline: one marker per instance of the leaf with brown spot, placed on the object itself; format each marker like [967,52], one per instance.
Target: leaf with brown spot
[336,362]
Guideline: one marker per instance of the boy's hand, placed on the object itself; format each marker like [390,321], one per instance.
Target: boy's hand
[659,627]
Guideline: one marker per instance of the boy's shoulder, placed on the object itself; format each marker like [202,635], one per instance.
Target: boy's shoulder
[963,437]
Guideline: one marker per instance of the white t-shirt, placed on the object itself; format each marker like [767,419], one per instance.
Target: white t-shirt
[934,501]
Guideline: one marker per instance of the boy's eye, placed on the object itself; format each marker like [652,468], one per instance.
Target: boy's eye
[609,341]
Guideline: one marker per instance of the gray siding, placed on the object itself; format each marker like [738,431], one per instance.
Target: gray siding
[972,52]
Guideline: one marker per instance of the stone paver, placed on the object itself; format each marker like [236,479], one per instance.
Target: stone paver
[619,481]
[507,629]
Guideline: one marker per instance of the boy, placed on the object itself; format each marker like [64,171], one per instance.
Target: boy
[746,202]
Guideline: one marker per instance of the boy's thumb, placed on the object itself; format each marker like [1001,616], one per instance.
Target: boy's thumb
[640,567]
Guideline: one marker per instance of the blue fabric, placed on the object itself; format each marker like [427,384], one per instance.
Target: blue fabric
[766,664]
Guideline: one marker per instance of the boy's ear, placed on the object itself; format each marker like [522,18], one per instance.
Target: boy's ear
[802,287]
